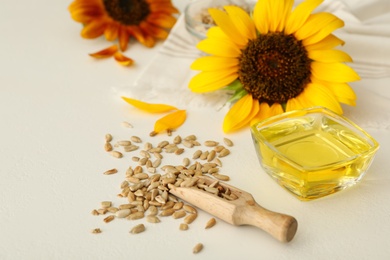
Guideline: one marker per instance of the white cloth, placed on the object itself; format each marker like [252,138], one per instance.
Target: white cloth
[367,37]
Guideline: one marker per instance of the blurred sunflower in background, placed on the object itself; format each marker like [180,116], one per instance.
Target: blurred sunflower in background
[145,20]
[278,59]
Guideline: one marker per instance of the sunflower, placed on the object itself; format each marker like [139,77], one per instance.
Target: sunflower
[145,20]
[277,59]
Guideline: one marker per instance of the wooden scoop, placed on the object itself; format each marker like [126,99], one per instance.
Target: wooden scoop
[242,211]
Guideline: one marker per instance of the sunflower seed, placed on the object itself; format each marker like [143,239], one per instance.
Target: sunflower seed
[152,219]
[210,143]
[186,162]
[190,138]
[190,209]
[219,148]
[228,142]
[144,153]
[109,172]
[167,212]
[224,152]
[138,169]
[141,176]
[155,150]
[221,177]
[183,226]
[197,248]
[177,140]
[211,155]
[153,210]
[162,144]
[96,231]
[127,124]
[122,213]
[108,147]
[204,155]
[188,144]
[116,154]
[136,139]
[210,223]
[124,143]
[143,161]
[148,146]
[153,133]
[108,137]
[105,204]
[102,211]
[109,218]
[168,205]
[197,154]
[138,229]
[179,214]
[179,151]
[136,215]
[130,148]
[178,205]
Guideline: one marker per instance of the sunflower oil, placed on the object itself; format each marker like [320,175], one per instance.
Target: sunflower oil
[313,156]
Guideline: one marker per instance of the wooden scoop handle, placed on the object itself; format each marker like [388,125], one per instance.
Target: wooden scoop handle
[280,226]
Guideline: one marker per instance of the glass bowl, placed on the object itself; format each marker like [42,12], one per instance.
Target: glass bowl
[313,152]
[198,20]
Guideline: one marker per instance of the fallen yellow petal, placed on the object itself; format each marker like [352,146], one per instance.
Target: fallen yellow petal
[151,108]
[105,53]
[123,60]
[170,121]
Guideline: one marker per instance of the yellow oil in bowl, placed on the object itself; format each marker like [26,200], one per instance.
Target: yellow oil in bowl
[313,152]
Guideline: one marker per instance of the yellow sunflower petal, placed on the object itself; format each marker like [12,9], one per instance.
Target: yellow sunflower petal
[227,25]
[335,72]
[123,60]
[242,21]
[216,33]
[293,104]
[207,81]
[279,11]
[260,16]
[329,42]
[318,95]
[300,14]
[315,24]
[206,63]
[149,107]
[214,47]
[324,32]
[342,91]
[105,53]
[249,118]
[329,56]
[286,11]
[266,111]
[240,113]
[170,121]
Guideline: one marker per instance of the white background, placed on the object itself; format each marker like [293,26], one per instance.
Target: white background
[56,105]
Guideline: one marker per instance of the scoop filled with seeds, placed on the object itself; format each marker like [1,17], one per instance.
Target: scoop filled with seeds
[241,210]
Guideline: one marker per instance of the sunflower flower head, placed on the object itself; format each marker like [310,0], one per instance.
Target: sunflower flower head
[144,20]
[277,59]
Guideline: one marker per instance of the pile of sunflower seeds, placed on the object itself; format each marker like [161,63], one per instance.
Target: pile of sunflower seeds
[147,181]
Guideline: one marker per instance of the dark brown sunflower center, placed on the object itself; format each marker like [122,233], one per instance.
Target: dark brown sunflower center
[128,12]
[274,67]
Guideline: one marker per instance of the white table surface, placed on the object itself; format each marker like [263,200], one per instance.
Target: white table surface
[56,105]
